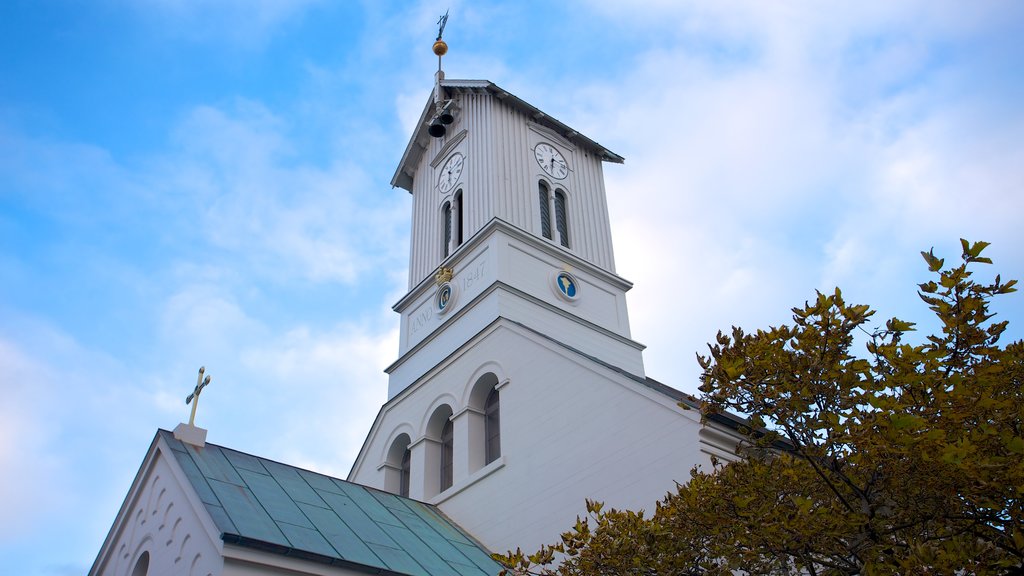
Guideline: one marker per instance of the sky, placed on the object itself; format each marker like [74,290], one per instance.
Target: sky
[188,183]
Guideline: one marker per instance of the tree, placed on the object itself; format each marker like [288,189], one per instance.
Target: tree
[909,460]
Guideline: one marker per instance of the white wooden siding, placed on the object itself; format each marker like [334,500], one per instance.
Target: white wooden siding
[500,181]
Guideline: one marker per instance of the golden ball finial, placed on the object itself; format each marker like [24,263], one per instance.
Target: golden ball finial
[440,48]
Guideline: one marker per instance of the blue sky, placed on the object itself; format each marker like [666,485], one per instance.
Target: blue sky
[188,183]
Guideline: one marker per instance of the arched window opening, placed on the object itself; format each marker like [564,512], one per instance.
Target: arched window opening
[447,217]
[545,210]
[438,452]
[561,220]
[484,422]
[403,482]
[492,427]
[557,229]
[141,565]
[452,223]
[447,454]
[397,465]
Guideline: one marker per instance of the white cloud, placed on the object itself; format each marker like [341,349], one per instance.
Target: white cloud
[329,387]
[797,151]
[73,425]
[302,394]
[26,453]
[286,219]
[204,319]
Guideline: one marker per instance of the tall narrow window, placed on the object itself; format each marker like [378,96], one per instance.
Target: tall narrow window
[447,216]
[557,230]
[545,211]
[447,445]
[492,426]
[457,215]
[437,453]
[403,486]
[561,220]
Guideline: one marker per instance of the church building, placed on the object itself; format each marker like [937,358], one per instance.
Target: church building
[518,391]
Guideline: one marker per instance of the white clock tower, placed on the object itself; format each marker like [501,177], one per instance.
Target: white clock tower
[518,390]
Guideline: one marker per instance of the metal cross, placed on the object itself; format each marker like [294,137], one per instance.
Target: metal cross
[441,22]
[200,384]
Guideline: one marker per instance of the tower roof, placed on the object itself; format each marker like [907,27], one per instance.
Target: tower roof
[420,140]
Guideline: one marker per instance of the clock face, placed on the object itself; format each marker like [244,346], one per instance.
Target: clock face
[551,161]
[450,173]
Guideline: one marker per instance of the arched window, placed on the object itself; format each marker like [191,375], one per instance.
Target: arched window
[403,482]
[561,219]
[447,453]
[447,217]
[141,565]
[558,229]
[483,417]
[438,452]
[492,427]
[451,214]
[545,210]
[396,465]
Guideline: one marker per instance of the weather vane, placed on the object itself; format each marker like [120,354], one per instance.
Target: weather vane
[193,398]
[440,23]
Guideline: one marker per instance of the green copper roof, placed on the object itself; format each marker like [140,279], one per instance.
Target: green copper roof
[278,508]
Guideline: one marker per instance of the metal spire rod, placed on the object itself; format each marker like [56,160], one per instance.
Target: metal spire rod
[440,48]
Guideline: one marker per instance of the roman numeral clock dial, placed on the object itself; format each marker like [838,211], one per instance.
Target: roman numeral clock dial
[551,161]
[450,173]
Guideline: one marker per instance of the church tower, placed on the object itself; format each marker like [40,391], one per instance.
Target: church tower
[518,390]
[510,220]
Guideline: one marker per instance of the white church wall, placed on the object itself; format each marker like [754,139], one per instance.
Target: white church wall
[533,272]
[161,521]
[461,325]
[500,180]
[576,431]
[611,349]
[500,301]
[571,429]
[474,269]
[589,226]
[426,240]
[503,254]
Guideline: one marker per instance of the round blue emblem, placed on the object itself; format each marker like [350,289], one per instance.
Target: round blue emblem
[444,296]
[566,284]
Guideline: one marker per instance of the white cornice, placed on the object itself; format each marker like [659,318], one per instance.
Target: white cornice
[489,229]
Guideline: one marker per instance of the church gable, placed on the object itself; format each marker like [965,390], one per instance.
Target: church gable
[162,527]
